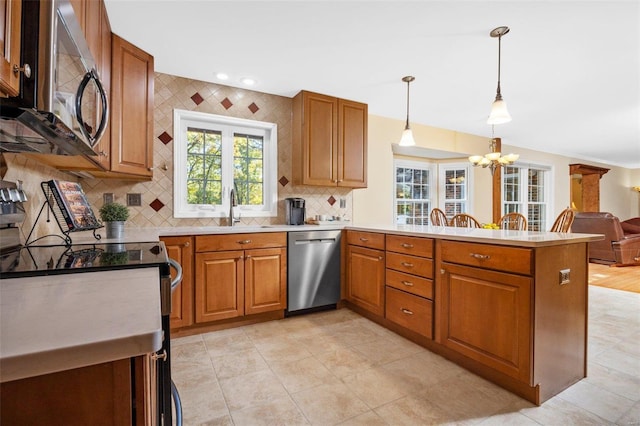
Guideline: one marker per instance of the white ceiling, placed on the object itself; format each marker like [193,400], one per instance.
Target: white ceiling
[570,69]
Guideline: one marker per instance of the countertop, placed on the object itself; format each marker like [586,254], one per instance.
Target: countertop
[74,320]
[488,236]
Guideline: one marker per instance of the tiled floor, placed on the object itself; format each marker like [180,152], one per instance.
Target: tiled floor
[339,368]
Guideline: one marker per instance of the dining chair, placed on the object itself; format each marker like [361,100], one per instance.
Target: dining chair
[563,221]
[463,220]
[438,218]
[513,221]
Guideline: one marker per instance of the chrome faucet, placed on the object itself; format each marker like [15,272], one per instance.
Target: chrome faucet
[232,220]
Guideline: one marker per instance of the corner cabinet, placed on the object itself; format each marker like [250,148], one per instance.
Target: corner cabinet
[10,23]
[132,82]
[180,249]
[240,274]
[329,141]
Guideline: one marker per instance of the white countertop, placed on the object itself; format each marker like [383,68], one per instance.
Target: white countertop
[489,236]
[59,322]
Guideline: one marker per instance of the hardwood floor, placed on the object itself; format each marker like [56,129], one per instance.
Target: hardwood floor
[625,278]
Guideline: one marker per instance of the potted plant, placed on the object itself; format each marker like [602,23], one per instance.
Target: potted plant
[114,215]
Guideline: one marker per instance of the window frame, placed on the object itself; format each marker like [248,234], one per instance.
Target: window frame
[523,204]
[182,120]
[468,182]
[432,183]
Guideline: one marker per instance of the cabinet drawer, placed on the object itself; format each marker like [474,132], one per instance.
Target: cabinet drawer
[410,264]
[410,283]
[410,245]
[409,311]
[500,258]
[366,239]
[240,241]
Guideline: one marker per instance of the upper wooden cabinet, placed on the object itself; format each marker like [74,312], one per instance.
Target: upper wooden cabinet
[329,141]
[10,26]
[131,109]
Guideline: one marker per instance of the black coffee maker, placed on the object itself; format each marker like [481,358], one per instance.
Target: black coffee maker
[294,211]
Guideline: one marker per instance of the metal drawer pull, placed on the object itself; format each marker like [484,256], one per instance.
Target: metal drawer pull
[407,264]
[480,256]
[363,239]
[407,283]
[379,257]
[244,241]
[405,245]
[406,311]
[187,244]
[162,356]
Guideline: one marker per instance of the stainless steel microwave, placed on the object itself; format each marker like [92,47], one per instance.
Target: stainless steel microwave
[62,107]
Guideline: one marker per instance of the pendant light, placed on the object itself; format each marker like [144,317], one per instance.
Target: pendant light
[499,113]
[407,134]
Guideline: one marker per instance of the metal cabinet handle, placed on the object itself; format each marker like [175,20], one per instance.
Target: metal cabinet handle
[407,264]
[406,245]
[26,69]
[248,256]
[244,241]
[102,154]
[363,239]
[406,311]
[480,256]
[379,257]
[162,356]
[407,283]
[187,244]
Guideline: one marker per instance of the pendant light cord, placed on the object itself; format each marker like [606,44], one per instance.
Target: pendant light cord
[407,125]
[498,94]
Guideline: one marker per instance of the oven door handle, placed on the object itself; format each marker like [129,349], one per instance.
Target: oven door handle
[175,265]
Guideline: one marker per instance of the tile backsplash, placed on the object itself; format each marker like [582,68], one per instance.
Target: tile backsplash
[156,209]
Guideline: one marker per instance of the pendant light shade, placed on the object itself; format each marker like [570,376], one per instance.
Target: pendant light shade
[499,113]
[407,134]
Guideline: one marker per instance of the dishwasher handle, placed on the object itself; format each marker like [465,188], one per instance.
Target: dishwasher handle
[316,241]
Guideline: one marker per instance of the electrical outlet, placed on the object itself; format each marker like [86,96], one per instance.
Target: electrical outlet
[107,197]
[343,203]
[565,276]
[134,200]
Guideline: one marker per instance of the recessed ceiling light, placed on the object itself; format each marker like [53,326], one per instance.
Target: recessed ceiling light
[248,81]
[222,76]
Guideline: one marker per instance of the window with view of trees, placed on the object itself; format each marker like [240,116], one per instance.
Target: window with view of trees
[413,182]
[454,186]
[215,153]
[525,190]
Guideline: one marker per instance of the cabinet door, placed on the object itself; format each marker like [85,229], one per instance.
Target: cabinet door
[219,291]
[352,144]
[319,140]
[131,109]
[181,250]
[486,316]
[10,27]
[265,280]
[365,278]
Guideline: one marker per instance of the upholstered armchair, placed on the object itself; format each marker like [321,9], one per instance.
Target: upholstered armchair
[618,247]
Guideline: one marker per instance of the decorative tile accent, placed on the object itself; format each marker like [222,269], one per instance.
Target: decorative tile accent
[253,107]
[283,181]
[226,103]
[165,138]
[156,204]
[197,98]
[331,200]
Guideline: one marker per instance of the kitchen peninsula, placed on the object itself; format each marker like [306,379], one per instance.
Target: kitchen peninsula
[510,306]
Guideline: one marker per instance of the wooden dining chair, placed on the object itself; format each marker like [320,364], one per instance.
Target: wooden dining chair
[514,221]
[563,221]
[463,220]
[438,218]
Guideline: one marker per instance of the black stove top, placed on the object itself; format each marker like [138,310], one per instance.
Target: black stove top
[61,259]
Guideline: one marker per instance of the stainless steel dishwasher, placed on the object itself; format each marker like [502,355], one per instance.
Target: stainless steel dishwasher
[314,270]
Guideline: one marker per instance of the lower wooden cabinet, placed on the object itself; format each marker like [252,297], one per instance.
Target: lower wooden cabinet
[180,249]
[365,278]
[410,311]
[235,283]
[111,393]
[486,316]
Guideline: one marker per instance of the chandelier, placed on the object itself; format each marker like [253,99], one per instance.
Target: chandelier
[494,159]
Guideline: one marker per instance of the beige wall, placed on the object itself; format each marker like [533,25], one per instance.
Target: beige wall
[374,205]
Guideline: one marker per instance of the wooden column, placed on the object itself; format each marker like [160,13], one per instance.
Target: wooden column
[496,187]
[589,191]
